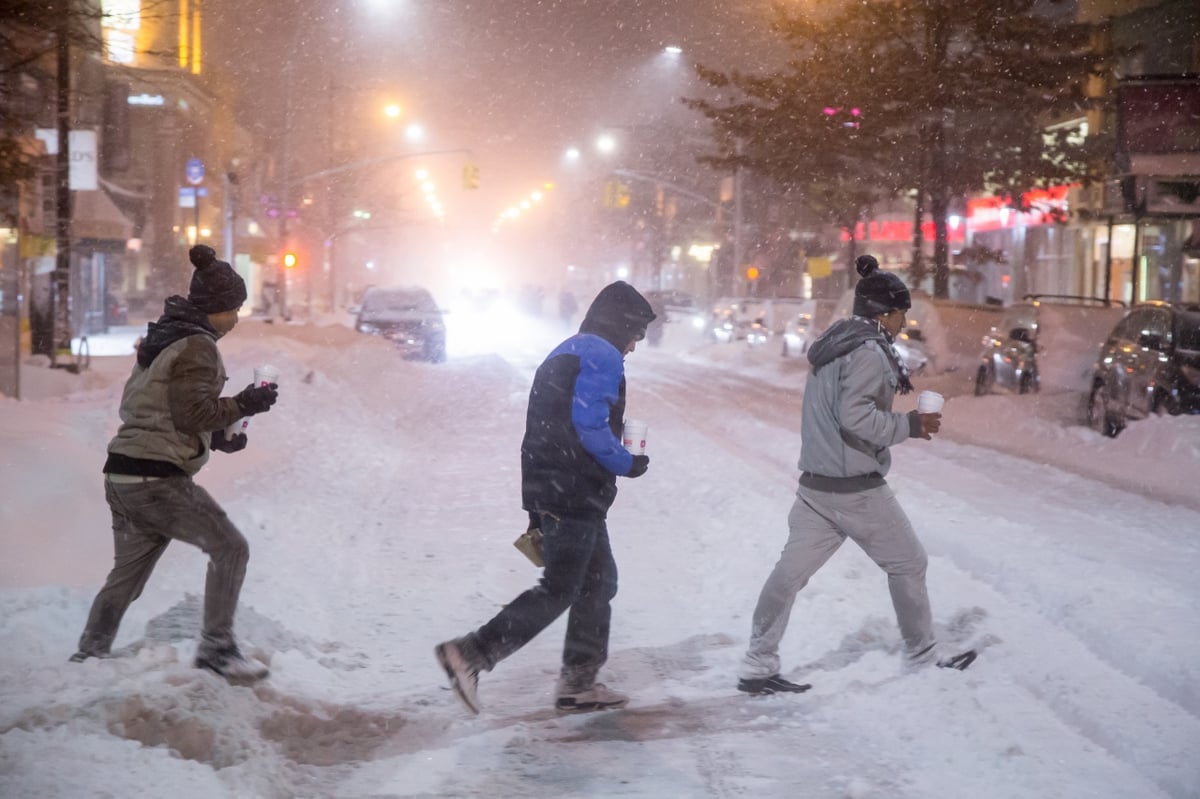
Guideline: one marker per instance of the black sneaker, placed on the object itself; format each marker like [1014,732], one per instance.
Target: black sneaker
[959,661]
[81,656]
[774,684]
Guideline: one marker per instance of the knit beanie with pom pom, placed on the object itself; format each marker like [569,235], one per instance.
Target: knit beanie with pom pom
[878,292]
[216,287]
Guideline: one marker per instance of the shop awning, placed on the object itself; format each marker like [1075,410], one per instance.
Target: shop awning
[96,217]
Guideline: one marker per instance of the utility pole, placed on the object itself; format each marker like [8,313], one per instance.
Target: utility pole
[281,272]
[737,211]
[60,289]
[229,180]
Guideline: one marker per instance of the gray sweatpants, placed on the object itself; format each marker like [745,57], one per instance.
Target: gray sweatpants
[819,522]
[146,516]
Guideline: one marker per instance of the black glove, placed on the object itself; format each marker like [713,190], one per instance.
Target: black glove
[640,464]
[256,399]
[535,520]
[235,443]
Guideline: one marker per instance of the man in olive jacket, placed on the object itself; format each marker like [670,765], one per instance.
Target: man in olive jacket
[172,416]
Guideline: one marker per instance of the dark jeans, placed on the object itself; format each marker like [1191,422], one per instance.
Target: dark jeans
[580,574]
[145,518]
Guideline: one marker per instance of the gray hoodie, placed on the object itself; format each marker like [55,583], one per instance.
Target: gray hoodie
[848,423]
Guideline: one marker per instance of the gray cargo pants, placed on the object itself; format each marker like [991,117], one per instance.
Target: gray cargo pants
[146,516]
[819,522]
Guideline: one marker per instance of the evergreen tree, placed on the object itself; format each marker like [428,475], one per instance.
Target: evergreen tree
[950,97]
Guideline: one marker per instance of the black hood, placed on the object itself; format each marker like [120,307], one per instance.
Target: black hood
[180,319]
[619,315]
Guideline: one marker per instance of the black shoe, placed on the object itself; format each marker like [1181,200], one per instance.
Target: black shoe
[959,661]
[81,656]
[771,685]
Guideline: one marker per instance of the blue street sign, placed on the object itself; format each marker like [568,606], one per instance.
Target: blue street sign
[188,195]
[194,171]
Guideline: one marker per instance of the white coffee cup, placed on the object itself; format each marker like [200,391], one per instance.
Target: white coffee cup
[634,437]
[930,402]
[263,376]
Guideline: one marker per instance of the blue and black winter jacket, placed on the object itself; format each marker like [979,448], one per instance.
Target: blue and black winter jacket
[572,452]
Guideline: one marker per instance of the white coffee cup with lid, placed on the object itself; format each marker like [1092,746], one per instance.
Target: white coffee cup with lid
[264,375]
[930,402]
[634,437]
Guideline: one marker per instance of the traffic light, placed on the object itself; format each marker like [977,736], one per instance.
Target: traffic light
[752,273]
[616,194]
[470,176]
[290,260]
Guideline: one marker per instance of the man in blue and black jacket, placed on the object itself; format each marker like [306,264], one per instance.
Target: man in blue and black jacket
[570,460]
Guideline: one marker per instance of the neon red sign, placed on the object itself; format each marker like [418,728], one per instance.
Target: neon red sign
[996,213]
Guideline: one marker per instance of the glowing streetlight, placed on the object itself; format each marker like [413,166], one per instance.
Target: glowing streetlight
[392,111]
[414,132]
[572,154]
[672,50]
[606,143]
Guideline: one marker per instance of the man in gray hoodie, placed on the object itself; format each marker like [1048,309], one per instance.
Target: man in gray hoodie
[847,426]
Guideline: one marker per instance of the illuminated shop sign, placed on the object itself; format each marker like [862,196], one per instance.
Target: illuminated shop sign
[147,99]
[996,213]
[902,230]
[121,21]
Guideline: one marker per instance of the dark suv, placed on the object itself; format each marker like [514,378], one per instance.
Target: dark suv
[408,317]
[1149,364]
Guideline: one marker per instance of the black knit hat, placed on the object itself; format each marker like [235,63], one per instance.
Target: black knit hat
[215,286]
[619,314]
[878,292]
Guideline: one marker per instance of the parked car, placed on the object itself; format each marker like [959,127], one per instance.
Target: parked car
[732,317]
[1150,363]
[1044,336]
[408,317]
[772,318]
[679,308]
[799,331]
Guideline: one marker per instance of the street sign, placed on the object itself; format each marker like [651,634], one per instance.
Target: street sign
[188,195]
[194,171]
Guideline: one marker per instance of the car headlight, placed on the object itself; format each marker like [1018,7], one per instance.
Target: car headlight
[367,327]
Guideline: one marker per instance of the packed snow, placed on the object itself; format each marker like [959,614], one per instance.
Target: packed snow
[381,499]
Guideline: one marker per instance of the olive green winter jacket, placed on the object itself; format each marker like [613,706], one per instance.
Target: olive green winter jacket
[172,401]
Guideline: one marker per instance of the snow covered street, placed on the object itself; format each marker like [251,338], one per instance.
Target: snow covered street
[381,498]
